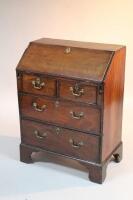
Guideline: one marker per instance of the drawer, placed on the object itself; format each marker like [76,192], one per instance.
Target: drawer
[72,143]
[78,91]
[85,118]
[38,85]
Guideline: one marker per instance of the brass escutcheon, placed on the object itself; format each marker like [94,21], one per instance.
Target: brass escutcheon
[67,50]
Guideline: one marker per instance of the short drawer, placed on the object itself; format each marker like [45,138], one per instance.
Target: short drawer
[72,143]
[78,91]
[81,117]
[37,84]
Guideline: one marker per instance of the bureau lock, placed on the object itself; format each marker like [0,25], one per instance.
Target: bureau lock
[67,50]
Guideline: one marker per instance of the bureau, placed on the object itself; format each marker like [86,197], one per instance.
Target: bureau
[70,98]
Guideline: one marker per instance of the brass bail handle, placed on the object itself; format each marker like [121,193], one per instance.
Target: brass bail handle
[38,108]
[39,135]
[77,91]
[37,84]
[76,115]
[76,145]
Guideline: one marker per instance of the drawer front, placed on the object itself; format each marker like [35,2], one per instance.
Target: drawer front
[78,91]
[38,85]
[72,143]
[60,112]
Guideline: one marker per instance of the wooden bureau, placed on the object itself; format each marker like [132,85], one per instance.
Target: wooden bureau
[70,102]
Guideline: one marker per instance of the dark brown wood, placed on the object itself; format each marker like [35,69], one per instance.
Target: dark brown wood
[48,87]
[25,154]
[97,173]
[85,92]
[59,112]
[60,140]
[70,102]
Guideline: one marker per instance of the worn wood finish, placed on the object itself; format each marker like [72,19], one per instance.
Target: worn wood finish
[89,64]
[61,113]
[77,113]
[85,92]
[60,140]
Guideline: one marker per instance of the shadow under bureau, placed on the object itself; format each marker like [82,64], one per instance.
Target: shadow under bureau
[70,102]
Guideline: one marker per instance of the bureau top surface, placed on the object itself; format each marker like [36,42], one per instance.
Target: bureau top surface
[65,58]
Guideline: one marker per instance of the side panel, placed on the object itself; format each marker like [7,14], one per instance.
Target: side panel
[113,103]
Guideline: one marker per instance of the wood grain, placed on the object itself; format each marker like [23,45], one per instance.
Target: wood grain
[52,60]
[113,104]
[60,142]
[89,91]
[49,89]
[59,112]
[55,118]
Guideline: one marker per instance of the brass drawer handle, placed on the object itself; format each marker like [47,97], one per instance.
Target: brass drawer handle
[37,84]
[75,144]
[40,136]
[77,115]
[76,91]
[37,108]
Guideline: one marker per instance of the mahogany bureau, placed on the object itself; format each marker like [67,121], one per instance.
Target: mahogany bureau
[70,102]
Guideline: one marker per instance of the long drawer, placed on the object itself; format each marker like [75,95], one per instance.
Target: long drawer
[71,115]
[64,141]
